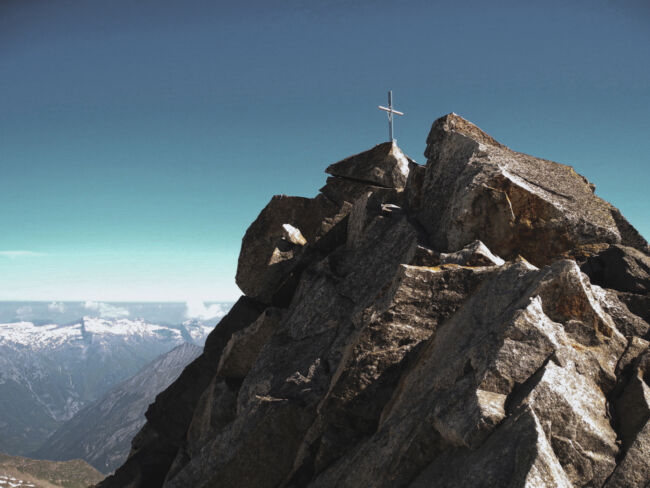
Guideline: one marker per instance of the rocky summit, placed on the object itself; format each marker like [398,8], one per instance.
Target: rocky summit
[479,321]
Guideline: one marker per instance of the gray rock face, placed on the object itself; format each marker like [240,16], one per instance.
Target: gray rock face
[514,203]
[433,332]
[267,257]
[519,454]
[384,165]
[621,268]
[626,271]
[244,346]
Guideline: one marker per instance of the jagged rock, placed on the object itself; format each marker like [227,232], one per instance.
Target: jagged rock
[405,351]
[622,268]
[637,304]
[413,193]
[284,386]
[266,259]
[157,445]
[365,209]
[574,411]
[475,188]
[633,407]
[425,257]
[389,209]
[474,254]
[242,349]
[464,381]
[273,245]
[418,300]
[643,363]
[216,408]
[518,454]
[342,190]
[383,165]
[635,348]
[293,235]
[634,469]
[630,324]
[627,271]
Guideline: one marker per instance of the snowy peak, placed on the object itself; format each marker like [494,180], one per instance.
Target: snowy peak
[53,335]
[38,336]
[50,371]
[124,327]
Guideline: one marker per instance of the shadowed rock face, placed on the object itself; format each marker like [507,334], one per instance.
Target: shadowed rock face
[421,326]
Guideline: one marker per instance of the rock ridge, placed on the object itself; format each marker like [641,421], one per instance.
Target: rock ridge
[480,320]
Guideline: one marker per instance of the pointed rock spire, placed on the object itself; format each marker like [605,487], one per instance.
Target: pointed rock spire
[474,187]
[455,124]
[383,165]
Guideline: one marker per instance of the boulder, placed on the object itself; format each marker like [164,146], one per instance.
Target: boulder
[628,323]
[293,235]
[622,268]
[342,190]
[476,188]
[273,244]
[635,348]
[384,165]
[366,208]
[518,454]
[244,346]
[637,304]
[634,470]
[474,254]
[633,409]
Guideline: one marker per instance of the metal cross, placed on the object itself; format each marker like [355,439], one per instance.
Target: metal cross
[390,111]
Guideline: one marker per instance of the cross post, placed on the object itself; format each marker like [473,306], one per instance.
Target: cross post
[391,112]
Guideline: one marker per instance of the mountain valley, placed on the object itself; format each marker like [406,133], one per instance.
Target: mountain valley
[49,372]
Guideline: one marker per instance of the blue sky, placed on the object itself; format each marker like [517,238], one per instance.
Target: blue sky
[139,139]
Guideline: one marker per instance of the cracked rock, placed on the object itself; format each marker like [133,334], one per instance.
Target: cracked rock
[480,321]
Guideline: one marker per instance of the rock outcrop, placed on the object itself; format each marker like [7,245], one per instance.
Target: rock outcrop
[514,203]
[480,321]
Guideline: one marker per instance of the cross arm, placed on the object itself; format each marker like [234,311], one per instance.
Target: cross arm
[390,110]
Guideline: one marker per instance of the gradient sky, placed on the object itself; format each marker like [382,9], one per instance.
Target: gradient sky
[139,139]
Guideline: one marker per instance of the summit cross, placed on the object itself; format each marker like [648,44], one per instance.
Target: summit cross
[390,111]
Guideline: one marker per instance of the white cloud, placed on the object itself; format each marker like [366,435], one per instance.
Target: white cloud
[106,310]
[196,309]
[20,254]
[56,307]
[24,312]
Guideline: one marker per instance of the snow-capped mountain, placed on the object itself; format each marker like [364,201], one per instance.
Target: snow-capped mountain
[49,371]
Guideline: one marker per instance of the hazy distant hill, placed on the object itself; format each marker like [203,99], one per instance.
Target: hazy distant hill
[49,372]
[29,473]
[101,433]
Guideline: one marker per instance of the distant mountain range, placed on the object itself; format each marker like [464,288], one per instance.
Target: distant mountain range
[101,433]
[163,313]
[50,370]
